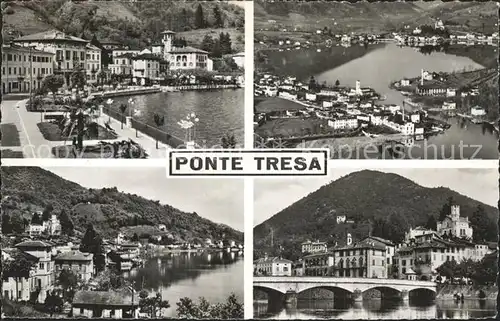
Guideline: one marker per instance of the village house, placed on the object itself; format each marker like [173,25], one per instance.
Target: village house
[272,266]
[24,68]
[455,225]
[122,65]
[449,105]
[182,58]
[477,111]
[43,276]
[340,219]
[125,51]
[313,247]
[364,259]
[93,63]
[146,68]
[100,304]
[18,284]
[81,264]
[390,249]
[69,51]
[239,59]
[343,123]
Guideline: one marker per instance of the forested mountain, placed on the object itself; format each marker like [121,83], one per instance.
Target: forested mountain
[132,23]
[386,205]
[375,16]
[29,189]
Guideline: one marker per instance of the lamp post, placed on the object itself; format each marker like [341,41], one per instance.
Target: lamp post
[109,102]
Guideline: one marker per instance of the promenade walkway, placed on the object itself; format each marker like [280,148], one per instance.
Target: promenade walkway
[34,145]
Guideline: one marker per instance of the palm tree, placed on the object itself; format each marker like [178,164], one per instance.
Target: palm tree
[123,108]
[159,121]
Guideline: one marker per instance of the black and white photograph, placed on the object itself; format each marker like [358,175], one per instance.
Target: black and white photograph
[377,80]
[90,242]
[377,244]
[121,79]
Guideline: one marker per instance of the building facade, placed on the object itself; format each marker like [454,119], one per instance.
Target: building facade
[43,274]
[146,68]
[93,64]
[69,52]
[313,247]
[272,266]
[81,264]
[122,65]
[455,225]
[23,68]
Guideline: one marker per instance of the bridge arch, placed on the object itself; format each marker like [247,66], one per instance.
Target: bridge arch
[385,290]
[333,288]
[269,289]
[422,293]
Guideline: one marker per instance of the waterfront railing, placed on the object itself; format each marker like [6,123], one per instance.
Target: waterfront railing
[148,130]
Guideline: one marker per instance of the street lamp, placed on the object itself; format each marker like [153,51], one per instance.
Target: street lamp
[109,102]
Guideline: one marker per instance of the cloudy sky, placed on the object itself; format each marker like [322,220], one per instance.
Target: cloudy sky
[273,195]
[219,200]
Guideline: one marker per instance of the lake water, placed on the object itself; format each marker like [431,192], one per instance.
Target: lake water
[214,276]
[376,66]
[379,309]
[219,111]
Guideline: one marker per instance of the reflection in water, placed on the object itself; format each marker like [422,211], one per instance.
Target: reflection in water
[378,309]
[211,275]
[219,111]
[377,67]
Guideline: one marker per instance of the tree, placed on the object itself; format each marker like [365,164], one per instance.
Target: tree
[231,309]
[53,303]
[486,270]
[123,108]
[152,305]
[6,225]
[481,226]
[35,219]
[447,269]
[431,223]
[337,83]
[159,122]
[68,281]
[19,267]
[312,84]
[67,226]
[17,223]
[46,212]
[207,43]
[52,83]
[446,209]
[219,23]
[228,141]
[78,78]
[135,238]
[199,19]
[92,243]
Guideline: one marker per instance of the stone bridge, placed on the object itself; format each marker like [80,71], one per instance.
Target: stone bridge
[288,287]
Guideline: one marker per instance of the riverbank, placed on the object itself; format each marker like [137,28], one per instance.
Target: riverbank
[126,92]
[470,292]
[200,87]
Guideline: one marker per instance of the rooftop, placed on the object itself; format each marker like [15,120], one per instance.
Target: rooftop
[50,35]
[168,31]
[271,260]
[103,298]
[74,256]
[7,47]
[30,243]
[187,49]
[147,56]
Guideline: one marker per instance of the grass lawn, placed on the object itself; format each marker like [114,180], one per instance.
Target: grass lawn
[9,153]
[51,131]
[287,127]
[10,135]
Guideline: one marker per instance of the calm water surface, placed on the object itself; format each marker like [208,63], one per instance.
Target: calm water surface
[377,66]
[219,111]
[213,276]
[379,309]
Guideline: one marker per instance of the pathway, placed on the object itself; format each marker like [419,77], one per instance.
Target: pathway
[34,145]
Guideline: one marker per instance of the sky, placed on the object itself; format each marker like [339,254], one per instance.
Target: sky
[219,200]
[273,195]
